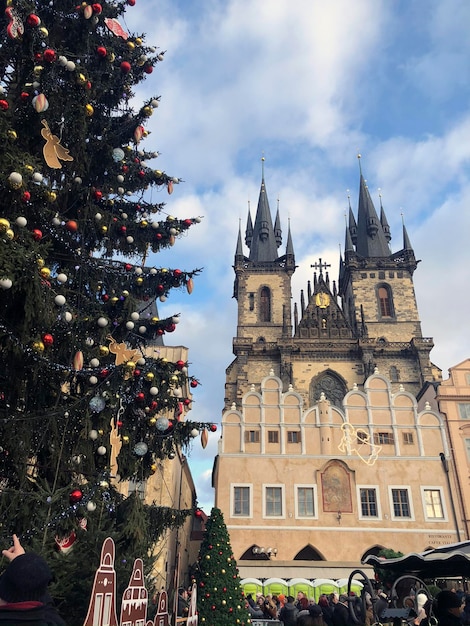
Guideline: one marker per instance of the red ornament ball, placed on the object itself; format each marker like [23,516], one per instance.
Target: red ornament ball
[47,339]
[75,496]
[131,3]
[213,428]
[140,397]
[24,95]
[180,365]
[148,69]
[71,226]
[33,20]
[3,105]
[102,52]
[26,197]
[177,273]
[97,194]
[97,8]
[49,55]
[193,384]
[37,234]
[170,328]
[125,67]
[128,267]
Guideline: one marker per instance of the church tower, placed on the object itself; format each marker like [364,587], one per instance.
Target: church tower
[337,336]
[263,291]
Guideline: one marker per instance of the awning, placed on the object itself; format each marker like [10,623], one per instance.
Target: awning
[447,561]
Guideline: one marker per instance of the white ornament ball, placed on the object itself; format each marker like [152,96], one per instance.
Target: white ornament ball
[175,320]
[120,178]
[59,300]
[138,271]
[194,433]
[162,298]
[77,180]
[102,322]
[197,220]
[15,179]
[101,450]
[93,434]
[141,362]
[142,330]
[153,271]
[37,177]
[93,380]
[6,283]
[135,316]
[130,325]
[94,363]
[98,217]
[56,221]
[70,66]
[130,239]
[21,221]
[67,316]
[91,506]
[62,278]
[153,391]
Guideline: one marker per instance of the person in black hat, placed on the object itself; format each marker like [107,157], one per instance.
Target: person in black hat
[23,589]
[449,607]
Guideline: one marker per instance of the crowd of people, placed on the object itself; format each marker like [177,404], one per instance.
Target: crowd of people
[449,608]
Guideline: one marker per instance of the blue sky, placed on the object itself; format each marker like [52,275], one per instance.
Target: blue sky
[310,84]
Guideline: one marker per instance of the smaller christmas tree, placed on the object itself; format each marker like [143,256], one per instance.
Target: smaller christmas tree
[220,596]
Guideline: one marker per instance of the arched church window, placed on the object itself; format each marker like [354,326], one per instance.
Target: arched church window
[329,384]
[265,305]
[384,294]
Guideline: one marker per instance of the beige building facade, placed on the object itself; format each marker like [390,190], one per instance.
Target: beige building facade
[325,454]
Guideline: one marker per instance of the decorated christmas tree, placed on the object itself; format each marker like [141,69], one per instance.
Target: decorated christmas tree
[220,596]
[84,402]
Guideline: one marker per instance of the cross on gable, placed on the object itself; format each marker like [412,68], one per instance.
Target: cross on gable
[320,265]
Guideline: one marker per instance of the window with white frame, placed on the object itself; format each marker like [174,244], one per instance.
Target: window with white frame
[433,505]
[305,501]
[241,501]
[368,502]
[137,487]
[467,448]
[464,410]
[400,503]
[273,501]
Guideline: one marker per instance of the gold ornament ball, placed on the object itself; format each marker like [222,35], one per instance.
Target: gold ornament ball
[138,41]
[223,571]
[114,300]
[153,468]
[224,602]
[10,234]
[38,346]
[130,365]
[131,45]
[144,224]
[147,111]
[45,272]
[12,134]
[4,225]
[89,110]
[149,376]
[104,230]
[40,262]
[38,69]
[104,350]
[154,320]
[139,280]
[81,79]
[29,168]
[44,32]
[125,439]
[152,421]
[208,557]
[52,196]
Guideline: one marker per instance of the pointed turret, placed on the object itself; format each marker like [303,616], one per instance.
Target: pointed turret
[239,250]
[352,226]
[371,240]
[263,245]
[249,229]
[406,240]
[384,222]
[277,227]
[290,245]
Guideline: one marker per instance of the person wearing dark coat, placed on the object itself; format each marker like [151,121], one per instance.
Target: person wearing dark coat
[341,616]
[23,590]
[288,613]
[449,608]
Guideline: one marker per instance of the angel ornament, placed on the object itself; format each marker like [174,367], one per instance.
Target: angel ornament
[52,150]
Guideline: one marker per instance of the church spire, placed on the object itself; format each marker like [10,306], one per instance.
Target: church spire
[263,245]
[239,250]
[384,221]
[277,227]
[371,239]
